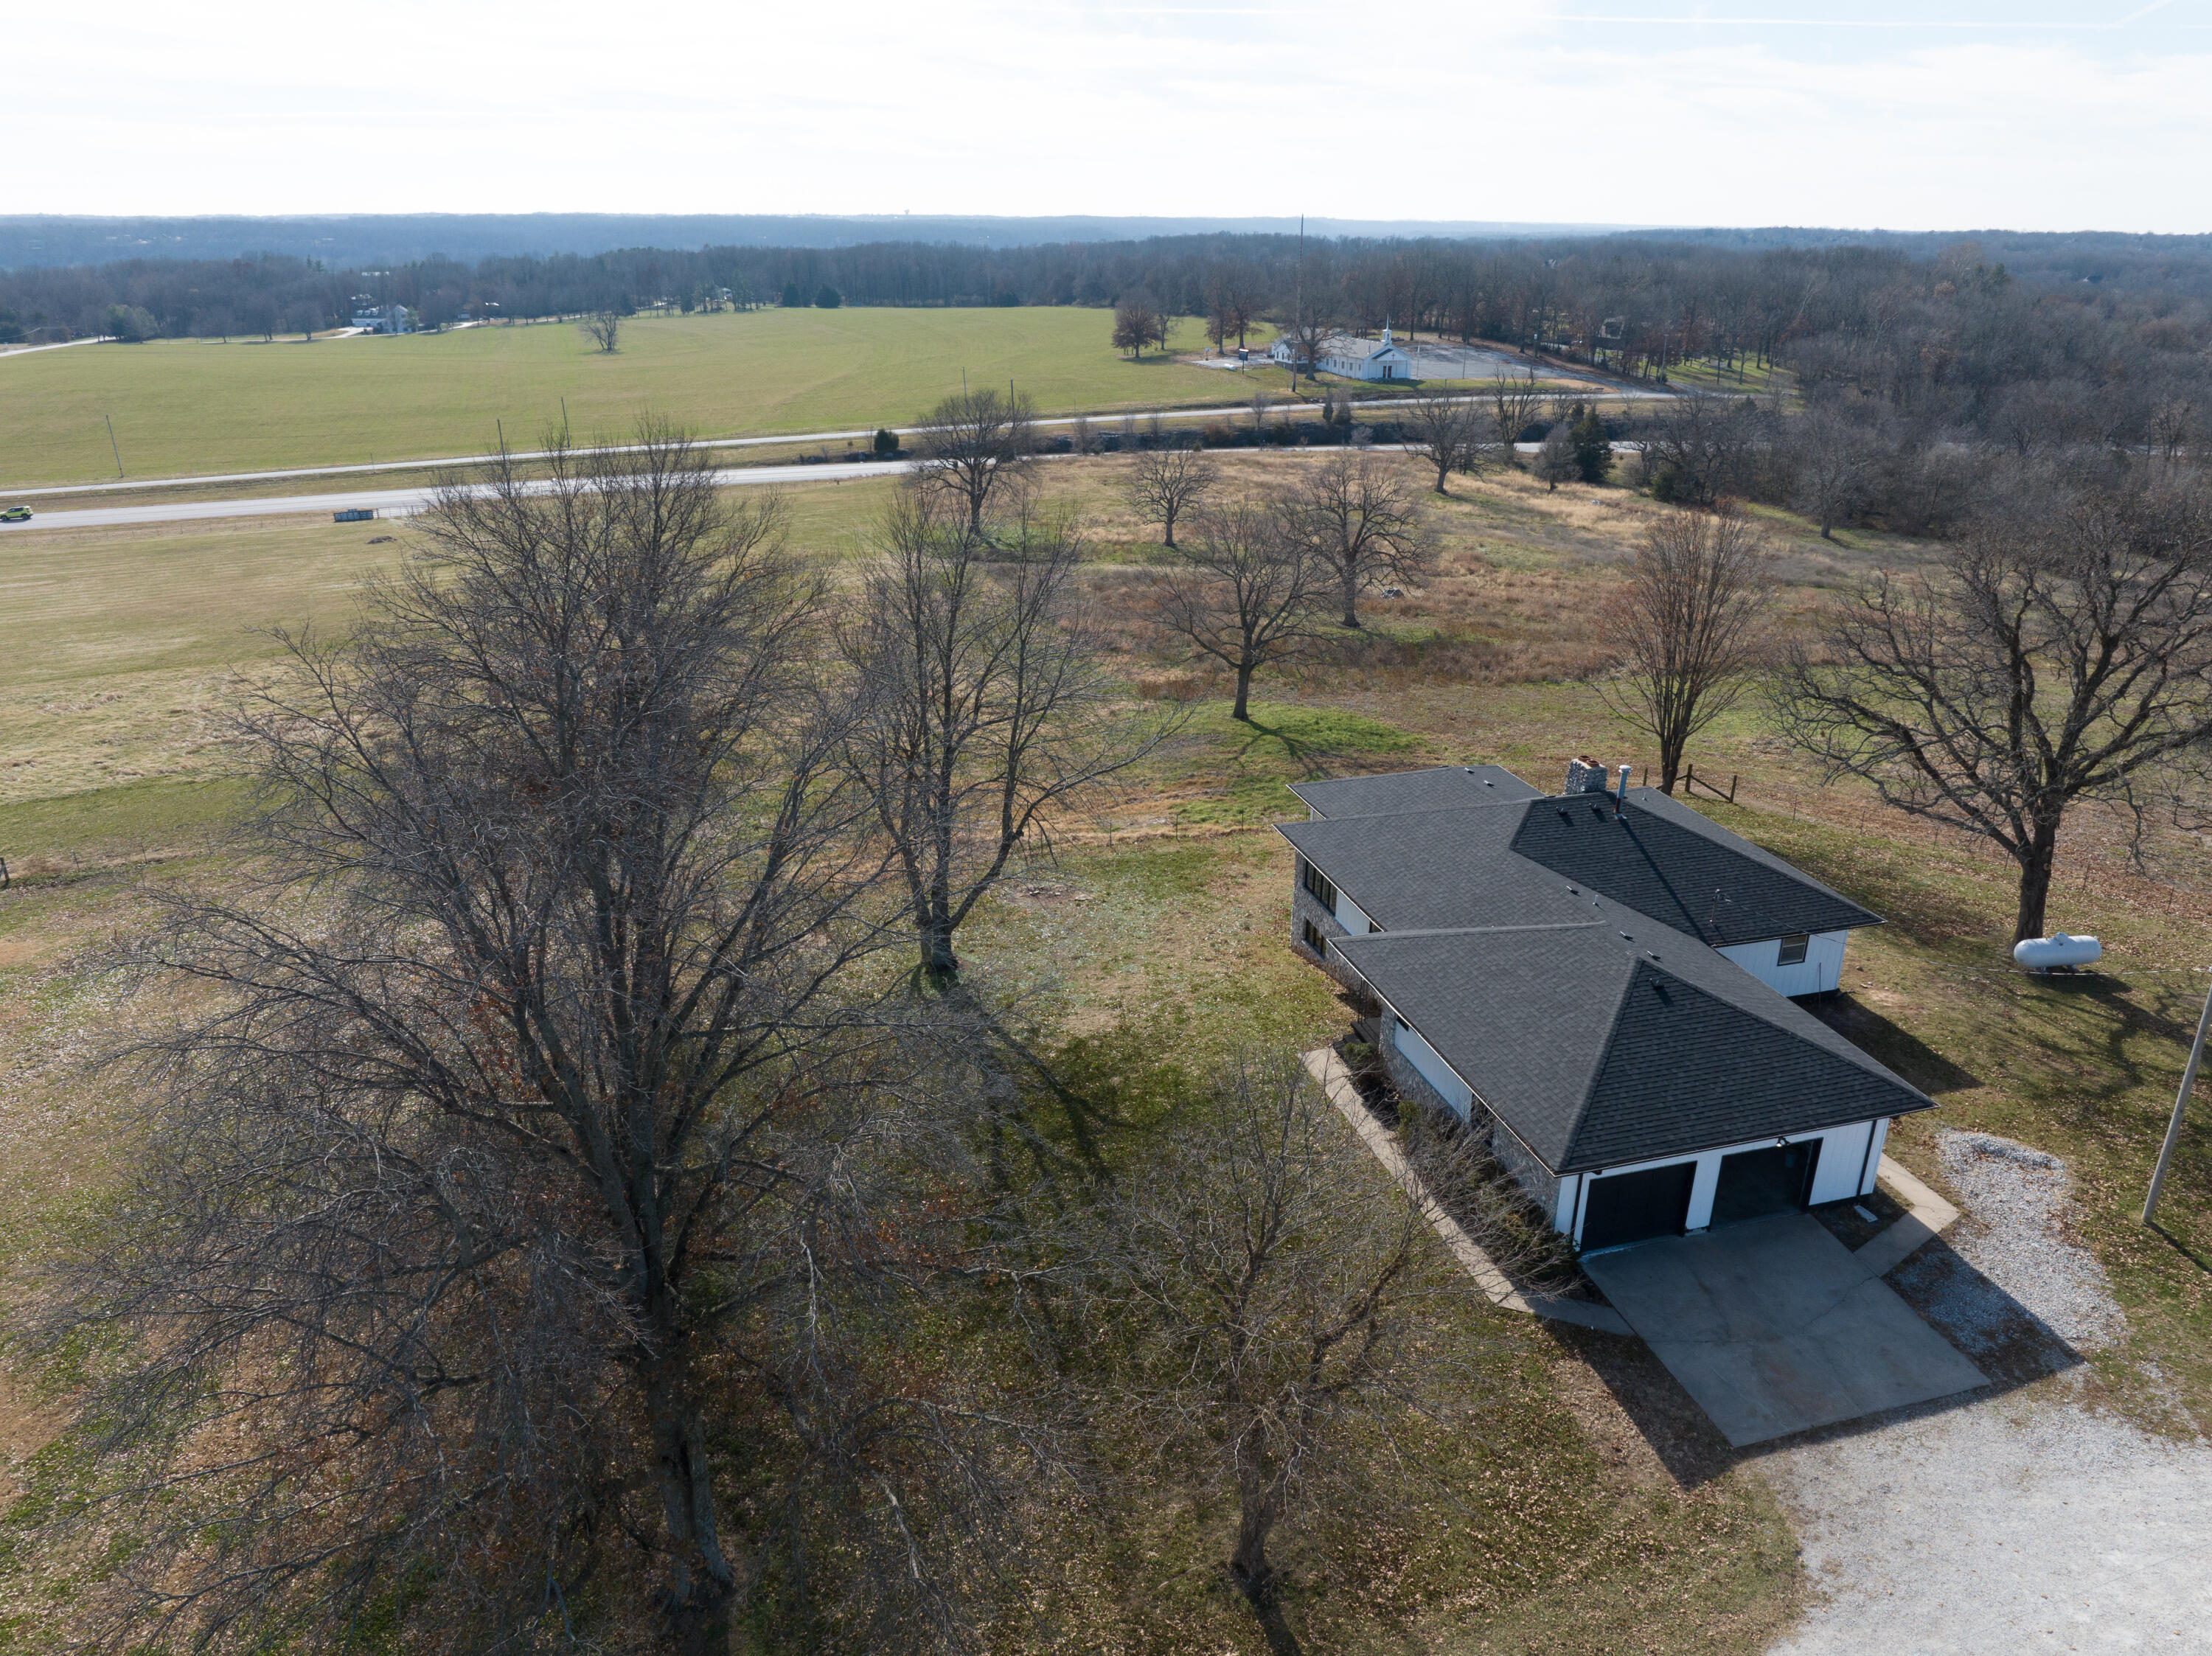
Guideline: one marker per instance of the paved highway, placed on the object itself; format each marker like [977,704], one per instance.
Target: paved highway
[391,502]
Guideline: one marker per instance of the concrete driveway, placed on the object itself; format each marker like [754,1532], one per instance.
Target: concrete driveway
[1775,1327]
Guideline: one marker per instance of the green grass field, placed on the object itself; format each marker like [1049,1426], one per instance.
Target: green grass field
[187,407]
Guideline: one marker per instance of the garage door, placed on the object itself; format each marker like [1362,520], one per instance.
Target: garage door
[1631,1206]
[1755,1183]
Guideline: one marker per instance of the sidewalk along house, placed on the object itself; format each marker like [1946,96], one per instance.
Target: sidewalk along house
[1601,984]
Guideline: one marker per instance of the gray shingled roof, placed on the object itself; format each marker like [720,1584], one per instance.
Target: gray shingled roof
[1436,868]
[1598,1048]
[1400,791]
[1663,859]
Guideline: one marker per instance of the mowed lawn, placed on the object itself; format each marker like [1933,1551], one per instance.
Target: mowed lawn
[188,407]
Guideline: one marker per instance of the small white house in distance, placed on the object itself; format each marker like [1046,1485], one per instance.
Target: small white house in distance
[389,319]
[1366,359]
[1601,984]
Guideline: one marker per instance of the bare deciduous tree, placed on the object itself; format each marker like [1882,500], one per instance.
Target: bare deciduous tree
[504,1261]
[1837,463]
[1513,405]
[976,446]
[1248,593]
[985,709]
[2062,654]
[1167,484]
[2172,427]
[1273,1279]
[1308,330]
[1355,511]
[1139,322]
[1446,431]
[1686,628]
[602,328]
[1697,450]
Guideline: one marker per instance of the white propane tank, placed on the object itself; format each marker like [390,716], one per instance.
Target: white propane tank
[2041,954]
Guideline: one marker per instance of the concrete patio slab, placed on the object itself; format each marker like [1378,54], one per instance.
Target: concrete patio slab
[1775,1327]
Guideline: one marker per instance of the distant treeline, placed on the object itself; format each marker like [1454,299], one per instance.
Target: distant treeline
[1929,345]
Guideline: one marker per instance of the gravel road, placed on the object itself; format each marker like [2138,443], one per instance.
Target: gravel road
[2022,1521]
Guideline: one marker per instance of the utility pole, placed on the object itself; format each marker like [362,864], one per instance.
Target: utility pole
[113,445]
[2180,1105]
[564,417]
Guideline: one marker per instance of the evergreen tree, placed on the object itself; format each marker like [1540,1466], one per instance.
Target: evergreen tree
[793,298]
[1593,448]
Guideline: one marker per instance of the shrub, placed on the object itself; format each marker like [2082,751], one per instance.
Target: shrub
[887,443]
[131,324]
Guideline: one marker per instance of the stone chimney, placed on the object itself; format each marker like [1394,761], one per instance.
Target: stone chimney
[1587,775]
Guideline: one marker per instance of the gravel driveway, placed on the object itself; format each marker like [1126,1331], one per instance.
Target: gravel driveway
[2022,1521]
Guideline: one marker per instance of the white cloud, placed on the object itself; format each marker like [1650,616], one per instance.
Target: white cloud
[1401,109]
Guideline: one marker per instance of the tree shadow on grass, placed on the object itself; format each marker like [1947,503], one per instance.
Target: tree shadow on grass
[1282,1641]
[1314,759]
[1895,1045]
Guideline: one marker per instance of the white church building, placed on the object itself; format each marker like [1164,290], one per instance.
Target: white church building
[1352,357]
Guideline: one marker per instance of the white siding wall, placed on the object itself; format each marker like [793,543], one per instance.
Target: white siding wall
[1350,915]
[1821,970]
[1434,1071]
[1843,1151]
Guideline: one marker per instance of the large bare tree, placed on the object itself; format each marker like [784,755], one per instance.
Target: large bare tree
[603,329]
[1354,510]
[1273,1284]
[977,447]
[507,1257]
[1249,592]
[2063,652]
[1139,322]
[1165,485]
[1448,432]
[1309,328]
[1837,462]
[1686,628]
[1513,406]
[986,710]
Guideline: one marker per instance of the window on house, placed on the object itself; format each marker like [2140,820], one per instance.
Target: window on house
[1793,950]
[1314,941]
[1318,884]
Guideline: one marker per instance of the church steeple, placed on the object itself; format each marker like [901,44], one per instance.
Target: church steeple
[1386,329]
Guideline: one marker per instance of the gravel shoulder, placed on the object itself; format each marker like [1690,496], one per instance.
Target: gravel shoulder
[2023,1519]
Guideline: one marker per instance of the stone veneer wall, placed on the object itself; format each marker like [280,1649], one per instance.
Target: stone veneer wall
[1532,1176]
[1304,907]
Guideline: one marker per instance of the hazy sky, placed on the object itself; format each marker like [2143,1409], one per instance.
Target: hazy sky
[1912,114]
